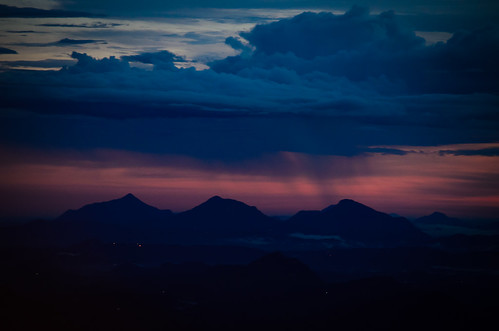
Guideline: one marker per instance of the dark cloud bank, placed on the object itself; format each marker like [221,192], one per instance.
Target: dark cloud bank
[4,50]
[64,43]
[363,48]
[29,12]
[366,78]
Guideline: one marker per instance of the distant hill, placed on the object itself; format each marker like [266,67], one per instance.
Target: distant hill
[441,219]
[354,221]
[126,219]
[219,216]
[124,211]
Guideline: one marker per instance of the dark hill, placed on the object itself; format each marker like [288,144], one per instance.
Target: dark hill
[121,220]
[220,216]
[124,211]
[438,218]
[355,222]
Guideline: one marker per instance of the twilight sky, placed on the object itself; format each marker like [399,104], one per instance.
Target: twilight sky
[285,105]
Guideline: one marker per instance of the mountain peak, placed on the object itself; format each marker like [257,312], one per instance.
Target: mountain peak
[128,199]
[222,214]
[439,218]
[122,210]
[349,202]
[129,196]
[216,202]
[353,221]
[347,205]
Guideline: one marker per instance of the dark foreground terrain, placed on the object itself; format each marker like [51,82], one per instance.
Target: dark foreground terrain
[123,265]
[98,286]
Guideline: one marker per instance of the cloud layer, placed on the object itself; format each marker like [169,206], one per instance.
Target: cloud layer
[29,12]
[360,47]
[4,50]
[361,75]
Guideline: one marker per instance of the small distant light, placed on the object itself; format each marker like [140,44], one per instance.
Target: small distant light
[139,245]
[326,292]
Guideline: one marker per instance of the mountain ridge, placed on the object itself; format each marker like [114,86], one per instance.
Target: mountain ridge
[355,221]
[228,221]
[440,219]
[124,210]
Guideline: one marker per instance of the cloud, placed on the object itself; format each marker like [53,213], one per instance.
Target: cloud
[493,151]
[87,64]
[425,15]
[41,4]
[386,151]
[162,60]
[28,12]
[238,45]
[68,41]
[65,42]
[408,6]
[4,50]
[21,31]
[48,63]
[311,35]
[359,47]
[315,83]
[195,38]
[96,25]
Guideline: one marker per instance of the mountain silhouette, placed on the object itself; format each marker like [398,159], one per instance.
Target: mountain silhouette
[438,218]
[124,211]
[353,221]
[126,219]
[220,216]
[220,221]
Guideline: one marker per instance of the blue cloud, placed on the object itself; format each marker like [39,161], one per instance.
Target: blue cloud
[65,42]
[87,64]
[96,25]
[238,45]
[148,6]
[311,35]
[4,50]
[28,12]
[359,47]
[48,63]
[68,41]
[162,60]
[327,85]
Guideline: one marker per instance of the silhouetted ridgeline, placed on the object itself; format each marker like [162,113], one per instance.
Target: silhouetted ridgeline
[124,265]
[352,221]
[222,221]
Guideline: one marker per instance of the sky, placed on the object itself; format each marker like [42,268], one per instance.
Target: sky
[283,104]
